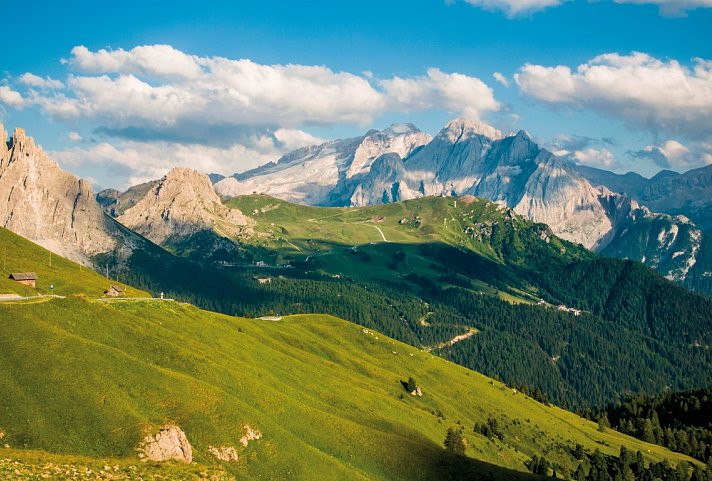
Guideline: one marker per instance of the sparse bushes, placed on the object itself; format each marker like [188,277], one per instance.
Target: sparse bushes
[539,465]
[490,429]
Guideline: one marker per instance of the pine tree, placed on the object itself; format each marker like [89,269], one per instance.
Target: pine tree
[603,423]
[454,442]
[412,385]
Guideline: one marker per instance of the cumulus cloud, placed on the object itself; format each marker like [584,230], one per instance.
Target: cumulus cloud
[143,161]
[74,136]
[673,7]
[661,96]
[501,79]
[585,150]
[676,156]
[513,8]
[11,97]
[168,107]
[453,92]
[601,158]
[153,60]
[159,91]
[33,80]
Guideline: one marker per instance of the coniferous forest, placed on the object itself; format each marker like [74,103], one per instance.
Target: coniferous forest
[623,342]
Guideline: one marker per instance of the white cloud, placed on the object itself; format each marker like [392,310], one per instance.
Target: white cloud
[672,7]
[453,92]
[158,88]
[501,79]
[673,155]
[142,161]
[159,107]
[11,97]
[642,90]
[74,136]
[601,158]
[33,80]
[513,8]
[292,139]
[153,60]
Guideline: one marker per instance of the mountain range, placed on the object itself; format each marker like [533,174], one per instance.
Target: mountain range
[470,157]
[420,214]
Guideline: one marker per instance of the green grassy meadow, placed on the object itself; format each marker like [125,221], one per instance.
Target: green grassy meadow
[80,377]
[19,255]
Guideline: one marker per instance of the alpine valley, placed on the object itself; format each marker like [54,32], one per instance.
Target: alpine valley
[471,158]
[471,287]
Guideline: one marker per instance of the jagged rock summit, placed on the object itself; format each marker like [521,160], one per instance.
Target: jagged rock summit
[47,205]
[179,205]
[323,174]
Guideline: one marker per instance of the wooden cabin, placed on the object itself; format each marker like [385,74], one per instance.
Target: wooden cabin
[25,278]
[114,291]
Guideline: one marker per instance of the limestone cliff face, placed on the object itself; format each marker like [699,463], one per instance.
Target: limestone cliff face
[181,204]
[325,174]
[47,205]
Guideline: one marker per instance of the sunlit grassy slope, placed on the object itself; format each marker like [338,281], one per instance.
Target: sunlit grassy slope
[82,377]
[20,255]
[362,242]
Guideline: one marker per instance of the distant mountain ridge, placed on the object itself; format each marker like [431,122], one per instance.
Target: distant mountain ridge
[472,158]
[316,175]
[689,193]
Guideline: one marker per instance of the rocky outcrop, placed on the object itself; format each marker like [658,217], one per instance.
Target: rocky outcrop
[180,205]
[322,174]
[251,434]
[224,453]
[47,205]
[169,444]
[385,182]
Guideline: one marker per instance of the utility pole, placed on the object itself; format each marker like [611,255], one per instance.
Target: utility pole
[50,258]
[107,271]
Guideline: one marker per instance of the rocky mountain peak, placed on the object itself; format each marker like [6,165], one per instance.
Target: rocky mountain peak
[401,139]
[180,204]
[400,129]
[463,128]
[46,204]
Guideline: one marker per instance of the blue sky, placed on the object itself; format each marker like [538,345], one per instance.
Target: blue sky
[129,113]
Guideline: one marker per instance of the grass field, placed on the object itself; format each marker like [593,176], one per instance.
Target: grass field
[83,381]
[361,242]
[85,378]
[68,278]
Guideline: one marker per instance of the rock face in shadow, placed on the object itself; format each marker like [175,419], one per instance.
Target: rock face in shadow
[169,444]
[180,205]
[47,205]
